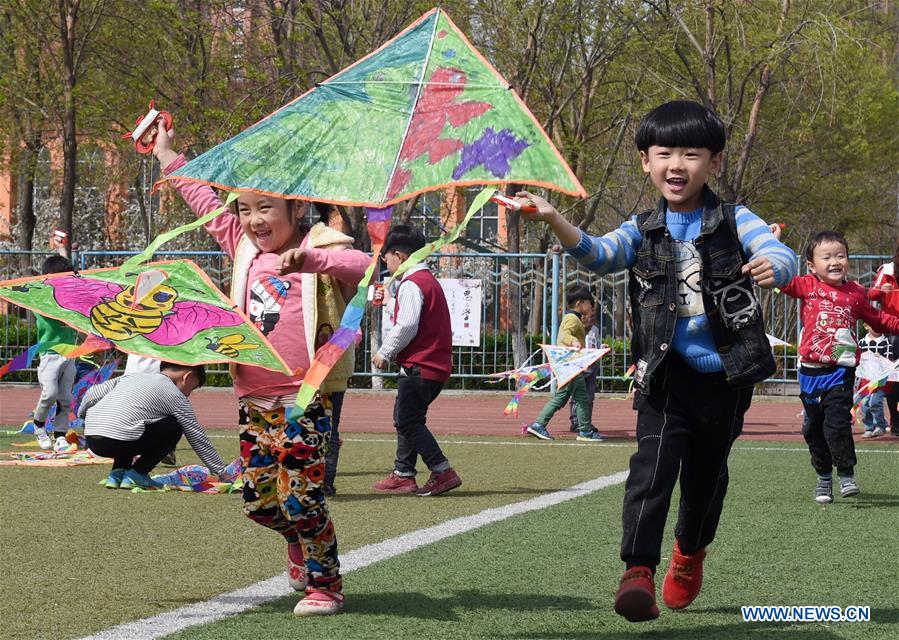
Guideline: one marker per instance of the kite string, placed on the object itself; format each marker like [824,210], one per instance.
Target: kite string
[160,240]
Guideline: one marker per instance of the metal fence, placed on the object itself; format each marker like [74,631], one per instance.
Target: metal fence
[522,297]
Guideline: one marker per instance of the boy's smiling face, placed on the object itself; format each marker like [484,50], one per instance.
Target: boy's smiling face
[830,262]
[679,173]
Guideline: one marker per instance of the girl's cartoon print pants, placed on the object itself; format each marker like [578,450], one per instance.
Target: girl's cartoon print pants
[284,467]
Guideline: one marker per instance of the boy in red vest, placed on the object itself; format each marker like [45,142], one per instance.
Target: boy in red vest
[424,351]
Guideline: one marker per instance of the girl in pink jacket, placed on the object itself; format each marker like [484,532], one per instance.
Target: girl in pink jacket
[276,278]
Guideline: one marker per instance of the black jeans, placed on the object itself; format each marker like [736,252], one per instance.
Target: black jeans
[827,428]
[685,426]
[410,415]
[158,440]
[334,446]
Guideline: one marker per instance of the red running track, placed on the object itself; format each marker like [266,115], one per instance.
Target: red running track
[459,413]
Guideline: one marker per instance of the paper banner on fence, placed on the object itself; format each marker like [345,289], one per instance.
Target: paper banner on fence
[568,362]
[187,320]
[463,297]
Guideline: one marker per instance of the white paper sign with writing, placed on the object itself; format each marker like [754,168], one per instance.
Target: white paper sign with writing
[464,300]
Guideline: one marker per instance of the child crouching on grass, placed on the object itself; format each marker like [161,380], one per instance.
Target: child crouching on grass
[143,416]
[828,354]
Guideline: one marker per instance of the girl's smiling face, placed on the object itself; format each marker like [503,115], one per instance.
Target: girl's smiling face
[269,222]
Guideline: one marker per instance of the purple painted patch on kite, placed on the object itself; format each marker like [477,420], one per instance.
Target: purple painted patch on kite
[494,150]
[379,215]
[343,337]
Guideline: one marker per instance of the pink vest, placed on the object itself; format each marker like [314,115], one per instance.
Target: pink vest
[432,347]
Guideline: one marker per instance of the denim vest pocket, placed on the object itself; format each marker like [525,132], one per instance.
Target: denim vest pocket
[649,274]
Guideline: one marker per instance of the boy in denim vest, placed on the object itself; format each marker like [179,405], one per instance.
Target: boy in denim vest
[698,342]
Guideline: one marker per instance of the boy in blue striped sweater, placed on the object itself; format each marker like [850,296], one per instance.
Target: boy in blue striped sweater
[698,341]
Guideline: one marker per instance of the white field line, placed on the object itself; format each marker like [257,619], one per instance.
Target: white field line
[235,602]
[589,445]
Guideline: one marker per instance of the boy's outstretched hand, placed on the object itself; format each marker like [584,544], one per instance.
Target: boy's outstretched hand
[291,261]
[761,271]
[545,211]
[567,233]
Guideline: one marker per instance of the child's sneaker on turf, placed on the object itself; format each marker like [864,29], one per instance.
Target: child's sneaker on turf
[539,431]
[396,484]
[43,438]
[868,434]
[114,479]
[296,567]
[848,486]
[684,578]
[319,602]
[134,479]
[824,491]
[636,597]
[879,431]
[440,482]
[590,436]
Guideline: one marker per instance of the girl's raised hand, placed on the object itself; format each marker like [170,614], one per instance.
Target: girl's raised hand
[291,261]
[163,148]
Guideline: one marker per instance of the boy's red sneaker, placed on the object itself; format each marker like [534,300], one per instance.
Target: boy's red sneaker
[396,484]
[636,597]
[440,483]
[684,578]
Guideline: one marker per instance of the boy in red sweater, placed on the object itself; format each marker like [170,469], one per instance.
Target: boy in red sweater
[424,351]
[828,356]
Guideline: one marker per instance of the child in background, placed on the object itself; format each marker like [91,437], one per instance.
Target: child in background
[55,373]
[592,342]
[421,342]
[572,333]
[872,406]
[828,353]
[280,281]
[145,414]
[885,292]
[698,342]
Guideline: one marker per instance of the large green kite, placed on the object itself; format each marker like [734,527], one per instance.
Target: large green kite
[424,111]
[179,317]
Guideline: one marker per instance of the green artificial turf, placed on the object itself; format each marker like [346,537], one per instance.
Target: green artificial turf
[553,573]
[79,558]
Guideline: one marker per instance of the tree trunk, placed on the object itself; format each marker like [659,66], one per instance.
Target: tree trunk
[27,216]
[67,17]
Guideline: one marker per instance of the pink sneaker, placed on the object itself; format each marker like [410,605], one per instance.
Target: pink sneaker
[319,602]
[440,483]
[296,567]
[396,484]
